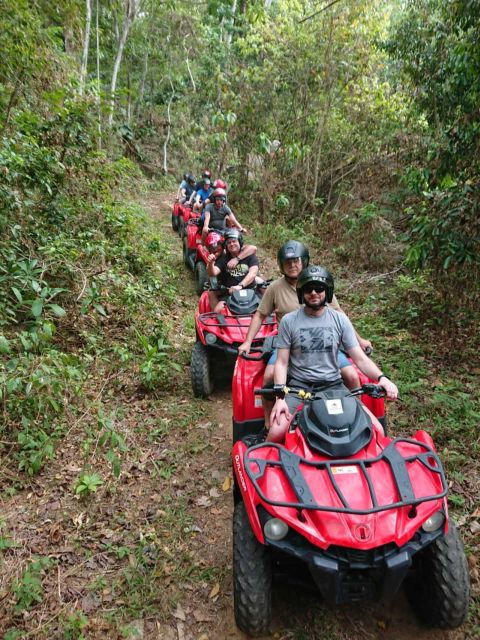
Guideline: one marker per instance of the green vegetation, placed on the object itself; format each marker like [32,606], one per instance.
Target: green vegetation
[352,125]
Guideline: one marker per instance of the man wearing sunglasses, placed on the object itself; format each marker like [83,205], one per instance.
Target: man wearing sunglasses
[307,348]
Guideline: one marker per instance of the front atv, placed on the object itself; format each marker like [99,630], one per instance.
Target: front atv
[364,524]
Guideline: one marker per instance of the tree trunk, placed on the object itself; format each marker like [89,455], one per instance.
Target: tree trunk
[99,87]
[167,139]
[86,42]
[132,6]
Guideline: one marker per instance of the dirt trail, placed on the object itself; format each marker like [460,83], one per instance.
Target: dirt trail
[297,613]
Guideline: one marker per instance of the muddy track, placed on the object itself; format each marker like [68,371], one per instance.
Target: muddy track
[297,613]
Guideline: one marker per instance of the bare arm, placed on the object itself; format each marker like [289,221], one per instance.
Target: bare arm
[280,377]
[253,329]
[248,279]
[370,369]
[206,222]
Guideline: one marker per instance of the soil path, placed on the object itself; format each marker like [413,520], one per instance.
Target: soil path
[298,614]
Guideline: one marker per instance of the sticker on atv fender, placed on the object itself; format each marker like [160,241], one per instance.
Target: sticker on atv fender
[342,470]
[334,407]
[198,241]
[243,293]
[257,402]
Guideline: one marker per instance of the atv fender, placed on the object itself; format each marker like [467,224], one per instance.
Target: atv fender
[248,492]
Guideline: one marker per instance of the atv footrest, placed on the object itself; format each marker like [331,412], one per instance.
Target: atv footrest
[293,469]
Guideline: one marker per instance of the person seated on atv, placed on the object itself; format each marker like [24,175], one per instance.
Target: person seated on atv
[206,175]
[186,188]
[236,268]
[218,184]
[217,215]
[281,298]
[201,197]
[307,348]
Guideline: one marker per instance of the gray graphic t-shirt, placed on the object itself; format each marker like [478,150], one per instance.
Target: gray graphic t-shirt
[314,343]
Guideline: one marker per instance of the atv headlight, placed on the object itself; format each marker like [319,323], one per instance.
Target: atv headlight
[210,338]
[434,522]
[275,529]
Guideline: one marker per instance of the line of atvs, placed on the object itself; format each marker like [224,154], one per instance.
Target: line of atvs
[339,505]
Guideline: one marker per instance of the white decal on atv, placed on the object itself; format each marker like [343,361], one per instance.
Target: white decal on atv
[243,293]
[257,402]
[342,470]
[198,241]
[240,473]
[334,407]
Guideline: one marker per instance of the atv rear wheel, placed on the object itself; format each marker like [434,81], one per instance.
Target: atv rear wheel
[438,587]
[201,376]
[174,222]
[201,277]
[185,253]
[252,577]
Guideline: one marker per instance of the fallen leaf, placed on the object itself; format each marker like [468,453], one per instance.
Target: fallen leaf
[216,512]
[203,501]
[227,484]
[180,631]
[215,590]
[475,526]
[381,624]
[214,492]
[203,637]
[200,616]
[179,613]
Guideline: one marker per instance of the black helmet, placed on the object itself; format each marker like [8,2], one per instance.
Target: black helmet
[335,424]
[293,249]
[315,274]
[233,234]
[191,178]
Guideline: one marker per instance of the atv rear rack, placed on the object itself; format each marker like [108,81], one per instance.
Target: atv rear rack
[290,464]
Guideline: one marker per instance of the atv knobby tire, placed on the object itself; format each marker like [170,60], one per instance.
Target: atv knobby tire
[200,373]
[438,587]
[185,253]
[174,222]
[201,277]
[252,577]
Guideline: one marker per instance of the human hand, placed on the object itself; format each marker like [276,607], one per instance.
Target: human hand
[280,408]
[365,345]
[211,258]
[244,347]
[237,287]
[232,263]
[390,388]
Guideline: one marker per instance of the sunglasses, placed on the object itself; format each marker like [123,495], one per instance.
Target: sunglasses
[310,288]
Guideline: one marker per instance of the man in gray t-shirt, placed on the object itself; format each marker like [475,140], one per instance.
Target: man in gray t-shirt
[313,343]
[308,343]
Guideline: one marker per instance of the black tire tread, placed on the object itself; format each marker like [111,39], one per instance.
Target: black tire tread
[200,276]
[201,378]
[252,577]
[174,222]
[439,592]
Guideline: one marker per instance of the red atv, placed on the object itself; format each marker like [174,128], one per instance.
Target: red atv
[364,513]
[220,334]
[195,254]
[187,214]
[178,212]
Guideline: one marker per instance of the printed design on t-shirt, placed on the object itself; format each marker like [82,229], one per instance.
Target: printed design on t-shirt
[238,271]
[316,339]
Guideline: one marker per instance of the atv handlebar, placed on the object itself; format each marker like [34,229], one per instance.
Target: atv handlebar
[369,388]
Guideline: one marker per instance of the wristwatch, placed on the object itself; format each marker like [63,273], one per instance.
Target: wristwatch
[382,375]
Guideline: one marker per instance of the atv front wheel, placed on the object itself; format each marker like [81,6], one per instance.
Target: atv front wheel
[174,222]
[252,577]
[201,376]
[438,587]
[201,277]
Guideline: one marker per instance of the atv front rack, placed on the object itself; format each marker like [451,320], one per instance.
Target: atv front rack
[290,463]
[212,319]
